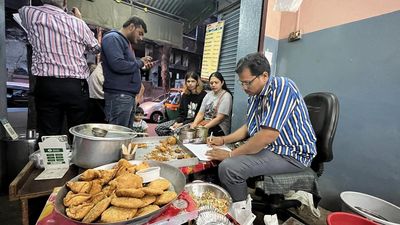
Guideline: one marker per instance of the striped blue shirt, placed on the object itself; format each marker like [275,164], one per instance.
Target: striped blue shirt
[280,106]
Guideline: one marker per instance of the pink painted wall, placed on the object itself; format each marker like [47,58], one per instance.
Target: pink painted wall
[315,15]
[273,25]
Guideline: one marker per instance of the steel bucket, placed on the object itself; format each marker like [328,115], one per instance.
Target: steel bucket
[90,151]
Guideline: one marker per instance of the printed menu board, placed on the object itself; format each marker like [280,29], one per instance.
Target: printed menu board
[212,48]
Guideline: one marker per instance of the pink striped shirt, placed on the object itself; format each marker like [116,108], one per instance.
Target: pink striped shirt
[58,41]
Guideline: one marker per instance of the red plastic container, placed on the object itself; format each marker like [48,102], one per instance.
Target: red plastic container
[342,218]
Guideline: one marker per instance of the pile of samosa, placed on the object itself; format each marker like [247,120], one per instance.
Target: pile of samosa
[114,195]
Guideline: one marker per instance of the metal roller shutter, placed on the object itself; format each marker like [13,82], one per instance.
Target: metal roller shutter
[227,60]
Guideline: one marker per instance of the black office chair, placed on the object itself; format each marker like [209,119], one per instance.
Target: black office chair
[323,108]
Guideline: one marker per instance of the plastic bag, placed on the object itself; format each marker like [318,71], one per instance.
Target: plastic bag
[271,220]
[241,212]
[307,202]
[37,159]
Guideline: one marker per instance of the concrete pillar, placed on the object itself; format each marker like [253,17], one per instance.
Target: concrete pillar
[248,39]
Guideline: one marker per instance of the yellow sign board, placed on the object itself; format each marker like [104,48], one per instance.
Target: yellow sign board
[212,48]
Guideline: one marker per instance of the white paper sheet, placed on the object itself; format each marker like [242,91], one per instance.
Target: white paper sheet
[52,173]
[200,150]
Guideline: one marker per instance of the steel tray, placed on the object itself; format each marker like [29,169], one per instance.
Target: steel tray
[152,142]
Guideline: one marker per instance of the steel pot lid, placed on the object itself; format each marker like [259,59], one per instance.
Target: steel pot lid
[85,131]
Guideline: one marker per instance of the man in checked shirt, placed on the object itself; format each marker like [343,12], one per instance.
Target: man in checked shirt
[279,131]
[59,41]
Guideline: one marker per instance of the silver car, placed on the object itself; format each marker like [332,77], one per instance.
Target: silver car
[17,94]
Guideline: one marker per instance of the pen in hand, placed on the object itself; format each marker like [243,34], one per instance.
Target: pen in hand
[210,139]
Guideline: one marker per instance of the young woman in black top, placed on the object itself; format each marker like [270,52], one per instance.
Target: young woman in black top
[189,106]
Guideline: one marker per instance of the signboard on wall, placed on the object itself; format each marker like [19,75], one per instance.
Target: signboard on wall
[212,48]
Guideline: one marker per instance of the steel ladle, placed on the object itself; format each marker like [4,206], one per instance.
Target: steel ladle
[99,132]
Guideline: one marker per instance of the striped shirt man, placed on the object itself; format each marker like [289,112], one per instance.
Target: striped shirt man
[58,41]
[280,106]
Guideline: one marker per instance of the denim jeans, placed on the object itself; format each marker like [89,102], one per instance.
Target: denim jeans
[118,108]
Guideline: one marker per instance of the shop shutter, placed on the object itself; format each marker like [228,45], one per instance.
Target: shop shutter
[227,59]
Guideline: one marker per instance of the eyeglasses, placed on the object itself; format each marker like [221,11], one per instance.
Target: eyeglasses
[247,83]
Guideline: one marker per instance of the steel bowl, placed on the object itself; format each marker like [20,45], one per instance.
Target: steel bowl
[371,207]
[174,175]
[198,188]
[90,151]
[187,134]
